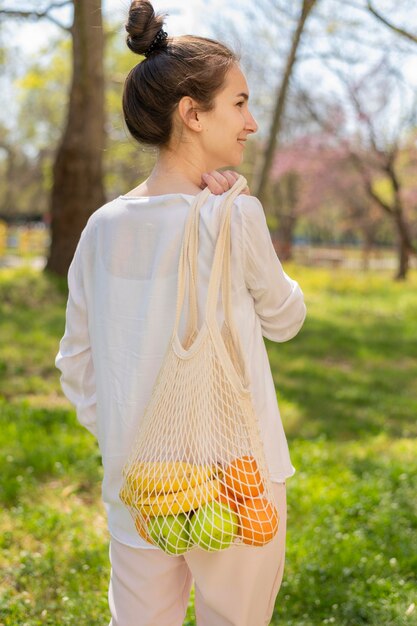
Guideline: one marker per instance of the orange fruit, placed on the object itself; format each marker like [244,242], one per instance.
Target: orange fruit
[227,498]
[243,478]
[142,529]
[259,521]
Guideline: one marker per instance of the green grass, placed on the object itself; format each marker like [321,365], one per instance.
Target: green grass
[347,393]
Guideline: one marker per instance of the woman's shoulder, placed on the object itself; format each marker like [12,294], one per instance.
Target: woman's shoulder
[122,205]
[104,212]
[250,209]
[249,204]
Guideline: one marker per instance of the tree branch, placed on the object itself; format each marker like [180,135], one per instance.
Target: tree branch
[37,15]
[396,29]
[357,162]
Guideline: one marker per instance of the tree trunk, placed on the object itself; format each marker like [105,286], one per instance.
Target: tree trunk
[284,237]
[366,252]
[287,197]
[403,261]
[260,185]
[7,202]
[77,189]
[405,247]
[395,210]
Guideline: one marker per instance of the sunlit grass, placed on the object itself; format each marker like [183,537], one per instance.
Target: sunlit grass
[347,394]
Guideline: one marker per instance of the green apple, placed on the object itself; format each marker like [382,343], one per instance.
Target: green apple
[214,526]
[171,532]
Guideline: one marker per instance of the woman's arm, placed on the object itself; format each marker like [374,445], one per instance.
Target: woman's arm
[74,358]
[278,299]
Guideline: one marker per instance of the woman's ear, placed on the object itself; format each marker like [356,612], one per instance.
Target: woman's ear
[188,113]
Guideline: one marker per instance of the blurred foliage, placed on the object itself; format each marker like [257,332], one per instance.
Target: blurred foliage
[42,96]
[42,104]
[42,108]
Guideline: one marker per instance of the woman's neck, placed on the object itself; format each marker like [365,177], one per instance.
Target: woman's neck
[177,172]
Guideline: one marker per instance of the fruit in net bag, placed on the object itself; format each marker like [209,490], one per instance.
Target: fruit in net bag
[214,526]
[258,521]
[157,477]
[227,497]
[175,502]
[242,478]
[170,532]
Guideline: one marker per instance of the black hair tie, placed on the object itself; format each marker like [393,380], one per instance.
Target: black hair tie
[160,36]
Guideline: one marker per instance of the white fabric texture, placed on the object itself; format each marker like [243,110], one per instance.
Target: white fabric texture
[121,312]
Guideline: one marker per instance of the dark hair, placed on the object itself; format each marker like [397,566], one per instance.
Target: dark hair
[176,67]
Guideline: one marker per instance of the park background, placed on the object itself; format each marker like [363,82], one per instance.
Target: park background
[333,89]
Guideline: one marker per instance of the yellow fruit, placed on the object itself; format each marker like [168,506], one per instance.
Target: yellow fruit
[180,501]
[166,476]
[126,495]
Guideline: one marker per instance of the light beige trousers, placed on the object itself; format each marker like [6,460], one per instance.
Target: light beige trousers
[234,587]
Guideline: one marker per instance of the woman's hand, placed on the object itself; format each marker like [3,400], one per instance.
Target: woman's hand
[219,182]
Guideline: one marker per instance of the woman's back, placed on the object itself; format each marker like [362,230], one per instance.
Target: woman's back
[124,277]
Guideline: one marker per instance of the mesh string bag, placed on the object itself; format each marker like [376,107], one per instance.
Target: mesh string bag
[197,474]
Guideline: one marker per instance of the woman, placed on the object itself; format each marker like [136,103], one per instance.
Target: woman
[189,99]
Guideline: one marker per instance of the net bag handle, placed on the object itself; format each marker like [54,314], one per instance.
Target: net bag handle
[189,252]
[222,259]
[185,257]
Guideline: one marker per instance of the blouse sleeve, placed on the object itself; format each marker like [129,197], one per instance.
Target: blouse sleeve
[279,301]
[74,358]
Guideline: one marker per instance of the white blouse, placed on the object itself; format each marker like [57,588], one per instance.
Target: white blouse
[121,311]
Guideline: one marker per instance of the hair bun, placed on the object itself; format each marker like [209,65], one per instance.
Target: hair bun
[142,26]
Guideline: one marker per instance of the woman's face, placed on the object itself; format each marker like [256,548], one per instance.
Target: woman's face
[226,127]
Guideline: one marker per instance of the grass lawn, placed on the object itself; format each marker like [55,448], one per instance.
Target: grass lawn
[346,387]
